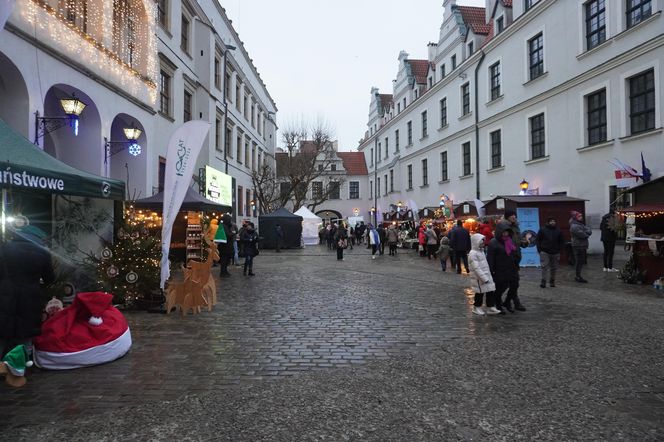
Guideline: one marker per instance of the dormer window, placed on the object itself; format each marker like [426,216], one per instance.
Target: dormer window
[453,62]
[470,49]
[500,24]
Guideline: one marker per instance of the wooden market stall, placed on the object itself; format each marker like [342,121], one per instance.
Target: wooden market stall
[645,228]
[548,206]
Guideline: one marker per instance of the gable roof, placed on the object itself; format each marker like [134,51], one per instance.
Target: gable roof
[419,69]
[354,163]
[474,17]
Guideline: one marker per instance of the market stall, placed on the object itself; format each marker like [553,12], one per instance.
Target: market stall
[310,224]
[645,232]
[291,225]
[533,211]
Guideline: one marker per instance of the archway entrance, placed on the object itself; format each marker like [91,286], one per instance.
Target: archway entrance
[329,216]
[14,99]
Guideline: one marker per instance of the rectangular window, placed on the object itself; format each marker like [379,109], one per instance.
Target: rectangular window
[398,108]
[377,187]
[537,137]
[253,117]
[396,140]
[380,153]
[410,176]
[443,112]
[247,203]
[465,98]
[595,23]
[254,147]
[162,12]
[443,166]
[642,102]
[238,91]
[240,199]
[227,141]
[184,35]
[404,103]
[495,80]
[238,147]
[246,153]
[333,167]
[164,93]
[529,4]
[536,55]
[245,107]
[496,150]
[596,104]
[410,132]
[387,150]
[453,62]
[371,190]
[372,158]
[354,190]
[227,85]
[391,180]
[465,154]
[217,72]
[442,71]
[284,190]
[385,181]
[217,133]
[187,106]
[500,24]
[637,11]
[425,130]
[470,48]
[425,173]
[162,174]
[317,190]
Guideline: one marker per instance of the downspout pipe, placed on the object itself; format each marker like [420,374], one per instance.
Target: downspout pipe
[477,127]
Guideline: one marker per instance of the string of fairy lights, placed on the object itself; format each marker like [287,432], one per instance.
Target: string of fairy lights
[118,39]
[643,215]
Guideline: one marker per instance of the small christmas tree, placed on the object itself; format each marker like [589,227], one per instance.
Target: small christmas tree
[129,267]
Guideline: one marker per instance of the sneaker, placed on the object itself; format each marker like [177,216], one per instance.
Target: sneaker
[373,256]
[493,311]
[580,279]
[508,307]
[478,311]
[605,269]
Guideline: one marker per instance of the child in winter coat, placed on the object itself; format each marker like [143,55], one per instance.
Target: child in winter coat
[480,276]
[444,252]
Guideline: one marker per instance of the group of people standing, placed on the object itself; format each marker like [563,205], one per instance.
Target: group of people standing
[242,242]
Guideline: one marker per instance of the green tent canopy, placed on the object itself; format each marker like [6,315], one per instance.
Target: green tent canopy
[24,166]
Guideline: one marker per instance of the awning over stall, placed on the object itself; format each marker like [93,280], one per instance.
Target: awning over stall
[192,201]
[24,166]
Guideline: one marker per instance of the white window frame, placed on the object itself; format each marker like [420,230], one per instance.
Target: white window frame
[502,144]
[526,44]
[583,105]
[464,141]
[624,95]
[528,116]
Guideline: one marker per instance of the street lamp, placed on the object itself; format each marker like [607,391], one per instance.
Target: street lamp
[356,211]
[524,187]
[399,205]
[252,203]
[132,134]
[72,106]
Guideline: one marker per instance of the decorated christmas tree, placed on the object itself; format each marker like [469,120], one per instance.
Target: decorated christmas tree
[129,267]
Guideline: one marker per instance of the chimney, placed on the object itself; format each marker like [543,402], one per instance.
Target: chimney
[433,48]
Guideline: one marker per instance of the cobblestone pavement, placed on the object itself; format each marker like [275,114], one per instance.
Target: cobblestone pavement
[318,349]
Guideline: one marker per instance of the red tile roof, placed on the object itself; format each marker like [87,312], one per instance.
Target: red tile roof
[354,163]
[475,18]
[386,100]
[420,68]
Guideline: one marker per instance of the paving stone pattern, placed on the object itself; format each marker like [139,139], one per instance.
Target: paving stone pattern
[318,349]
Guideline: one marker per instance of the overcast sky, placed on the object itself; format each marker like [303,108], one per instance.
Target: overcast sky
[320,58]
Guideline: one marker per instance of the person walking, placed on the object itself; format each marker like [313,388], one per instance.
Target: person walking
[234,238]
[607,229]
[341,238]
[249,241]
[392,239]
[374,240]
[580,234]
[24,261]
[422,240]
[549,242]
[383,236]
[278,237]
[432,242]
[480,277]
[443,252]
[460,243]
[504,264]
[225,248]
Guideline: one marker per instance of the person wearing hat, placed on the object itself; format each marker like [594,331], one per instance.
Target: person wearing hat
[24,264]
[607,228]
[580,234]
[549,242]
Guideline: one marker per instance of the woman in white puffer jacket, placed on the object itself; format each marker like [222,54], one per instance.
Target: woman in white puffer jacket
[480,277]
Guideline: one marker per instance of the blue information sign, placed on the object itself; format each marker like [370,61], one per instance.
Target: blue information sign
[529,224]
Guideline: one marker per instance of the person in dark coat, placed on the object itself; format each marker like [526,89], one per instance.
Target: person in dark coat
[341,238]
[225,249]
[249,240]
[580,234]
[460,243]
[549,242]
[607,229]
[383,237]
[504,265]
[279,236]
[23,262]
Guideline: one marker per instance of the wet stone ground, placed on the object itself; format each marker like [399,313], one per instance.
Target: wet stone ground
[312,348]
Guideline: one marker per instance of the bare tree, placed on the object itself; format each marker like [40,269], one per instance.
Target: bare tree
[266,187]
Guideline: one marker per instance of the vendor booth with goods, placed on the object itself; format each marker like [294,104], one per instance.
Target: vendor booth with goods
[644,221]
[291,226]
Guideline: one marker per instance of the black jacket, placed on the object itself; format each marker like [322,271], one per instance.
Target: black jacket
[605,227]
[504,267]
[249,241]
[22,264]
[550,240]
[459,239]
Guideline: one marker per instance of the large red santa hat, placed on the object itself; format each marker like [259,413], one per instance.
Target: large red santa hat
[89,332]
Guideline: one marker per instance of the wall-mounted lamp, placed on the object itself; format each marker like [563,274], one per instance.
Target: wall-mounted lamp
[132,134]
[523,185]
[72,106]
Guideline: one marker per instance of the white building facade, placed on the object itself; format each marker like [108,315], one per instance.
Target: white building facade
[150,65]
[547,91]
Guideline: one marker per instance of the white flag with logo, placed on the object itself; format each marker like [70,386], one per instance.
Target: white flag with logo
[6,8]
[183,149]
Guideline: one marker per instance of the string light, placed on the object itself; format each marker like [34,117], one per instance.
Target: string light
[117,41]
[642,215]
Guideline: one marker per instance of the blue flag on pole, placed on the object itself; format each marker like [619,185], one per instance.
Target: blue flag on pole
[645,172]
